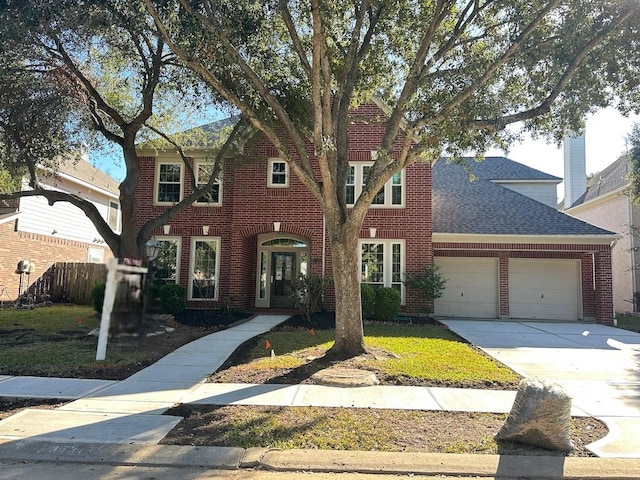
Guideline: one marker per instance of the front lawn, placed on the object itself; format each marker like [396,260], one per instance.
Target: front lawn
[55,342]
[398,354]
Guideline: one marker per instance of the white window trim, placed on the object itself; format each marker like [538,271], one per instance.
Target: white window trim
[192,258]
[156,180]
[218,181]
[388,267]
[270,183]
[178,241]
[118,219]
[95,255]
[388,190]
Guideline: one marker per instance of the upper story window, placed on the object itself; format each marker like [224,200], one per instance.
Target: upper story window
[390,195]
[203,172]
[113,216]
[278,173]
[168,182]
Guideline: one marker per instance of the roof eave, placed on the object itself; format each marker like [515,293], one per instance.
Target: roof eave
[598,199]
[526,180]
[89,185]
[9,217]
[604,239]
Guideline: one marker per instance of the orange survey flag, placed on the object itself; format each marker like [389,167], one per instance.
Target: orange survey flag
[267,345]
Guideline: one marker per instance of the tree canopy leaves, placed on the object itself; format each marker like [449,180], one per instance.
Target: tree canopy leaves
[76,72]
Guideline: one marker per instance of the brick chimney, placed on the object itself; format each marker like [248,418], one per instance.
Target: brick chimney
[575,168]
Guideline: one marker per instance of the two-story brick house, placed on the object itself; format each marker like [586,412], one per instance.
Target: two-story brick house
[260,228]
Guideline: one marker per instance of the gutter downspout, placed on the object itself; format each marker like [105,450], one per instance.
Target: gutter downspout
[632,251]
[611,245]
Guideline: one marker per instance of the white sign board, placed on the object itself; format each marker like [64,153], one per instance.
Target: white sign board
[115,273]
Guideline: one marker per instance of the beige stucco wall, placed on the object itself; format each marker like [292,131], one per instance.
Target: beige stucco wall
[613,214]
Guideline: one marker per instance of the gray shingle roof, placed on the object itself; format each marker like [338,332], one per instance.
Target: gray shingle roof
[612,178]
[501,168]
[483,207]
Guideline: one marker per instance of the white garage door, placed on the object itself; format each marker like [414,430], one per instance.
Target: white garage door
[471,290]
[544,289]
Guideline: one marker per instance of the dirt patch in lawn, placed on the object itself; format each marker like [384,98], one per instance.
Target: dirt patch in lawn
[359,429]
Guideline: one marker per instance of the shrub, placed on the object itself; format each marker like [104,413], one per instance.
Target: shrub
[173,298]
[368,300]
[308,292]
[97,296]
[429,283]
[387,303]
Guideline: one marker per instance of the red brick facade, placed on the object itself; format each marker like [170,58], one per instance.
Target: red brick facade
[250,208]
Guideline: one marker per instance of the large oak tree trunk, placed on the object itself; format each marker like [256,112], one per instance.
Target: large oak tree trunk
[349,331]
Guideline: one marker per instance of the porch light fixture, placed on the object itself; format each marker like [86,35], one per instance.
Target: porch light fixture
[166,229]
[205,229]
[276,226]
[152,248]
[372,232]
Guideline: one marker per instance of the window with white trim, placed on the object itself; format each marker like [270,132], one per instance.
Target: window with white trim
[382,263]
[168,185]
[391,195]
[278,173]
[113,216]
[166,265]
[95,255]
[203,171]
[205,266]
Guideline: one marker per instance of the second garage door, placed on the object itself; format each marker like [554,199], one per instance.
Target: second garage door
[472,287]
[544,289]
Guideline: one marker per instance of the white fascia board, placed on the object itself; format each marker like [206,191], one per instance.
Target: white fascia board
[598,200]
[530,239]
[9,217]
[88,185]
[526,180]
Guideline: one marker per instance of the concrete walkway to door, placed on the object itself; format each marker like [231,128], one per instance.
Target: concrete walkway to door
[599,366]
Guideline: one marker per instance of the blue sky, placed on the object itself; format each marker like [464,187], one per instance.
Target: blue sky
[605,142]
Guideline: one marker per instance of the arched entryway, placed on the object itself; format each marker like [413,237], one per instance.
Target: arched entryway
[282,258]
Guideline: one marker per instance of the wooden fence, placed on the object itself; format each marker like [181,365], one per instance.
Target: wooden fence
[70,282]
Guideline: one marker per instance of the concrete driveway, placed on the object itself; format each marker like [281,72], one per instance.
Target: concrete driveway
[599,366]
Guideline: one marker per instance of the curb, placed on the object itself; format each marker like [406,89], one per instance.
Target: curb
[323,461]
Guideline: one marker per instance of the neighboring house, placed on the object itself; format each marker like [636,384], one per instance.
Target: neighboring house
[43,234]
[604,201]
[505,255]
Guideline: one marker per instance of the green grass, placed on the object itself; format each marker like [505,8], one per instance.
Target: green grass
[54,341]
[431,353]
[50,319]
[628,322]
[423,352]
